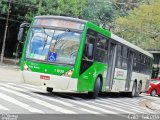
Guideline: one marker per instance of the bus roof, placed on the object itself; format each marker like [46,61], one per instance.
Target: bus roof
[121,40]
[61,17]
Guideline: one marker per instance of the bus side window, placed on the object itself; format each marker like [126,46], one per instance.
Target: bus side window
[101,49]
[119,57]
[90,45]
[125,57]
[88,52]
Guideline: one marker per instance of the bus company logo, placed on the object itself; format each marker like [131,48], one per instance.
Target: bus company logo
[44,77]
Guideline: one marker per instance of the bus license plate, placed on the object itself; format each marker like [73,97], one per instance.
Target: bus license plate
[43,77]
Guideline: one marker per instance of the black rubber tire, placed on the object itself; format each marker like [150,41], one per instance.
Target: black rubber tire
[153,93]
[133,93]
[49,89]
[97,87]
[158,95]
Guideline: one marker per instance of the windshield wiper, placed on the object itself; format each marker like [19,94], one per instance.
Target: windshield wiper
[63,34]
[45,38]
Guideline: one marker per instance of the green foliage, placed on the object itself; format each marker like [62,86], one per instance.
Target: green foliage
[30,8]
[58,7]
[100,12]
[142,26]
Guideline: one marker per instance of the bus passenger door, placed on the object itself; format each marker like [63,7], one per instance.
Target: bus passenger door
[111,66]
[129,71]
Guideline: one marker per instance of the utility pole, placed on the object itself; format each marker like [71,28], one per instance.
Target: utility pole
[5,32]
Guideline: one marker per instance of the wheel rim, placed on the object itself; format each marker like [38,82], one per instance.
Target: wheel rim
[139,88]
[134,89]
[153,93]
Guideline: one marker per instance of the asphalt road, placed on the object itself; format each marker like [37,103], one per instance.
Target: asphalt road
[21,98]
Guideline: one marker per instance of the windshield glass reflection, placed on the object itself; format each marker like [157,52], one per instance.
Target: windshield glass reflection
[50,45]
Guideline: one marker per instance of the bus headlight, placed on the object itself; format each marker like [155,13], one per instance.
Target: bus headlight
[26,67]
[68,73]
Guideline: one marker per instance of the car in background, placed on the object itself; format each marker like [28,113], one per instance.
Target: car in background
[158,78]
[154,88]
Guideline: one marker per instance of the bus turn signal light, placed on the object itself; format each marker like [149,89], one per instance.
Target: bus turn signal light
[68,74]
[26,68]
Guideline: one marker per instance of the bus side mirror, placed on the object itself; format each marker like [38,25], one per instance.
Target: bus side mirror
[89,51]
[22,31]
[20,34]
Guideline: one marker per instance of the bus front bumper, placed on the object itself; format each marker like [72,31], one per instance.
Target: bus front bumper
[54,81]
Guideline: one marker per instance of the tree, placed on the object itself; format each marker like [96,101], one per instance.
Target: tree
[25,10]
[142,26]
[100,12]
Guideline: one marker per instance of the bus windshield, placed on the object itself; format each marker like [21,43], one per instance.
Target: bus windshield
[51,45]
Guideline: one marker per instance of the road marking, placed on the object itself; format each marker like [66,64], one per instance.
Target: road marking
[128,105]
[133,101]
[54,100]
[32,89]
[16,88]
[16,102]
[88,111]
[109,106]
[40,102]
[92,106]
[119,101]
[114,108]
[3,108]
[117,104]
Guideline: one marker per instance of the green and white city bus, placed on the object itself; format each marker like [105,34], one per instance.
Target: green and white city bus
[74,55]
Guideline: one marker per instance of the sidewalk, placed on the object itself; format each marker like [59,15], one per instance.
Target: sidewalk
[9,66]
[10,62]
[154,104]
[10,73]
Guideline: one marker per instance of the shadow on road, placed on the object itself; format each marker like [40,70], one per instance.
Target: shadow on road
[85,96]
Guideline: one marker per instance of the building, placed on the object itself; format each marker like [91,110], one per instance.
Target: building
[156,64]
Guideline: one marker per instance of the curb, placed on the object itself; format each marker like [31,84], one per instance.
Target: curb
[9,66]
[153,106]
[150,106]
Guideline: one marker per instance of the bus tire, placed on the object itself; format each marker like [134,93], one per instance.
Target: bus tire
[153,93]
[97,87]
[133,93]
[158,95]
[49,89]
[138,91]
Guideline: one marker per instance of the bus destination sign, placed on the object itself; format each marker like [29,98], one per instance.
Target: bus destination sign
[59,23]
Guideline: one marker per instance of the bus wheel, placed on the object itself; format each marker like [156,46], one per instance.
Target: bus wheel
[49,89]
[133,93]
[153,93]
[139,90]
[96,90]
[158,95]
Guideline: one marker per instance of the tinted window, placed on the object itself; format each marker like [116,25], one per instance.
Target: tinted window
[122,57]
[101,49]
